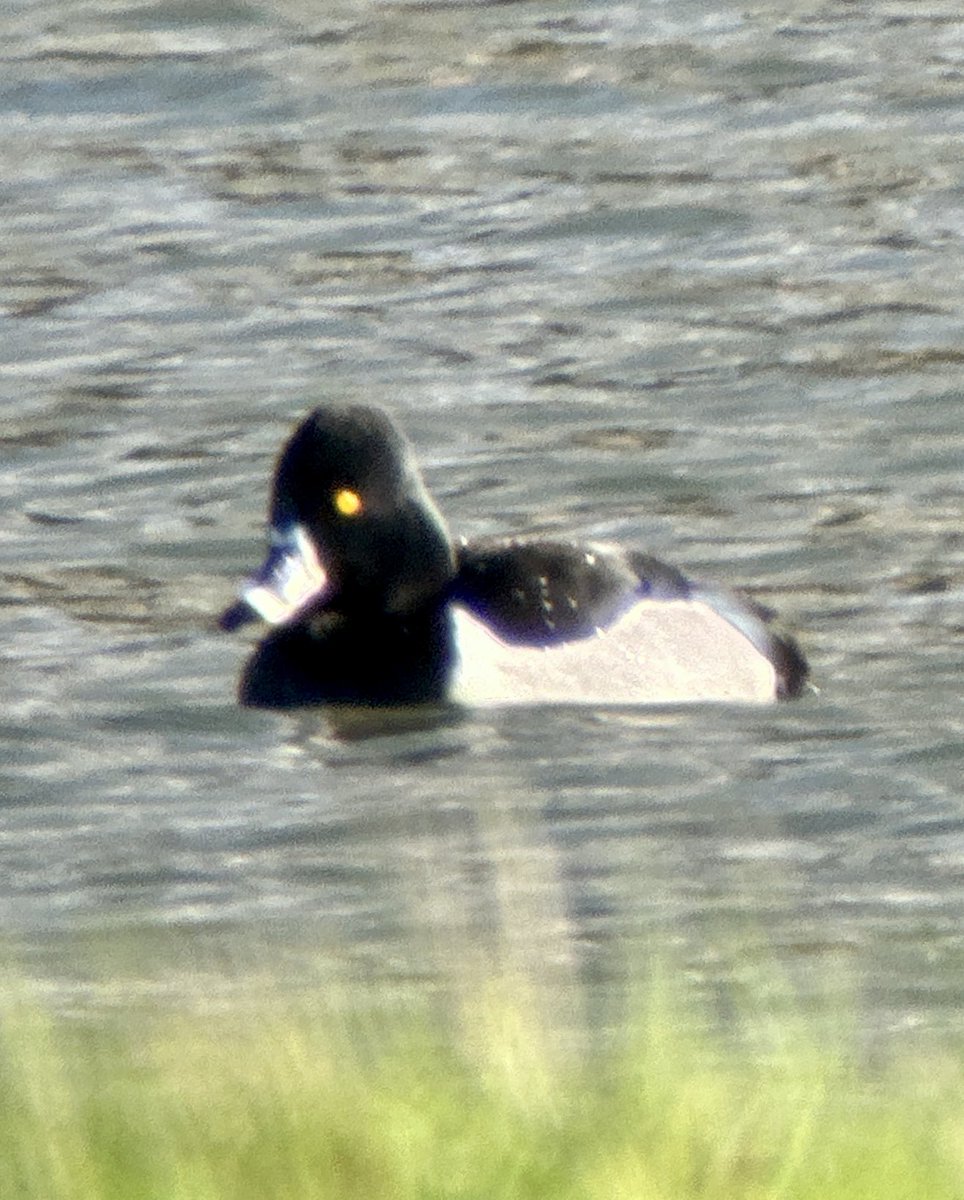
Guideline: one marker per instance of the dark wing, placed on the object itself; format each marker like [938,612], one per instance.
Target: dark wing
[541,593]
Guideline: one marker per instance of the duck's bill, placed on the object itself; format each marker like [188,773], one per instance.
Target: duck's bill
[291,579]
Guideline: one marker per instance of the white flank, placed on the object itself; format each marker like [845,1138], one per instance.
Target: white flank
[659,652]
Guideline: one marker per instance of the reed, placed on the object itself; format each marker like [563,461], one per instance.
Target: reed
[275,1098]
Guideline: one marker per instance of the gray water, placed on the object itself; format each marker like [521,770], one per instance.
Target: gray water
[683,275]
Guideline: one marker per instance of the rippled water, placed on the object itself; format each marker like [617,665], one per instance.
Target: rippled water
[684,275]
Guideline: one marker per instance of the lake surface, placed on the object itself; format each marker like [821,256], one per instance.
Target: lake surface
[683,275]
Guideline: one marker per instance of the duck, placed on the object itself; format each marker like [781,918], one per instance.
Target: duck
[370,602]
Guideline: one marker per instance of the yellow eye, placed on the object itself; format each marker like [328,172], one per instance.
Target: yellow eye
[347,502]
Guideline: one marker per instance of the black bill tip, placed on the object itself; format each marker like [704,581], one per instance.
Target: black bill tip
[237,615]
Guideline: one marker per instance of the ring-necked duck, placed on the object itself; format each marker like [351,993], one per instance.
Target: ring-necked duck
[374,605]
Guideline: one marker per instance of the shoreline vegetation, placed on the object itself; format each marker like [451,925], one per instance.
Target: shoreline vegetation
[273,1095]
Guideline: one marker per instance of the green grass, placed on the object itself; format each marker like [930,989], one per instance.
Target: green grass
[275,1099]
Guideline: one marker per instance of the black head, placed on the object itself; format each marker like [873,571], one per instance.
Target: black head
[347,488]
